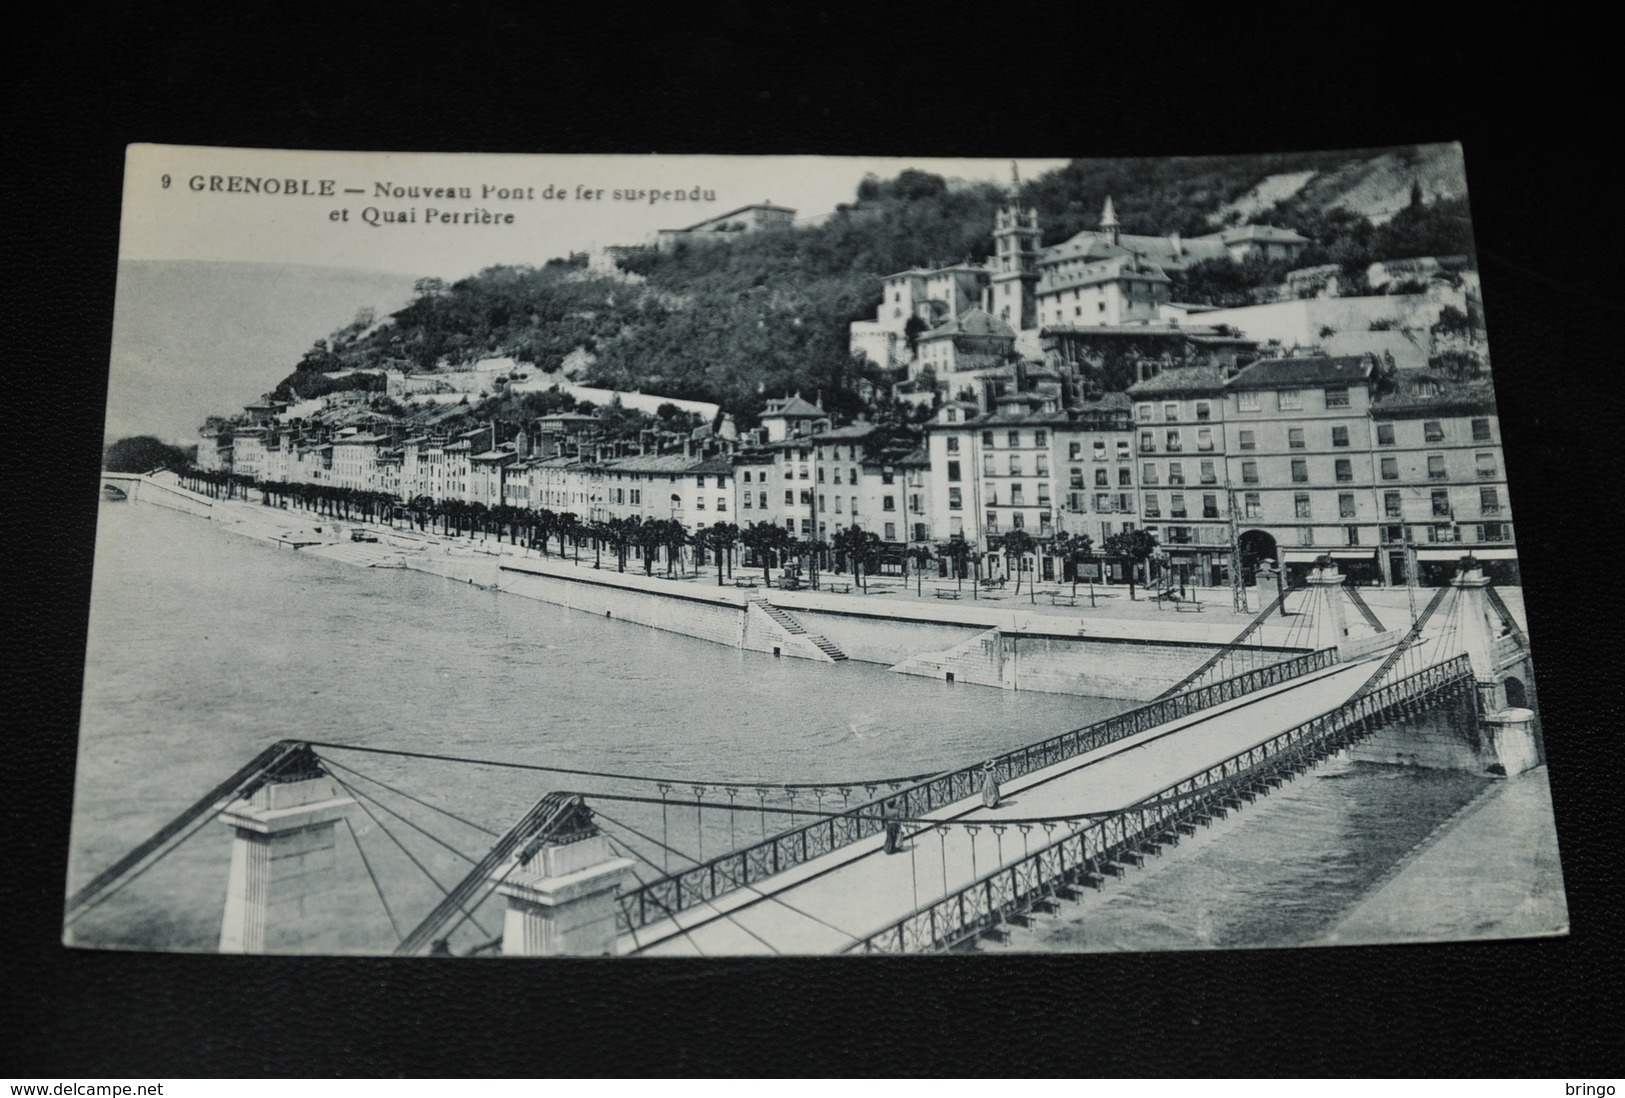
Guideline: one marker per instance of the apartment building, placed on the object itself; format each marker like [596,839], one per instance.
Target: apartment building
[1183,478]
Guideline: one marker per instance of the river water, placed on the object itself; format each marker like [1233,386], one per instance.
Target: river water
[204,647]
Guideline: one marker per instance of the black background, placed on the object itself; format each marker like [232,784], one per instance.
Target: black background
[1534,104]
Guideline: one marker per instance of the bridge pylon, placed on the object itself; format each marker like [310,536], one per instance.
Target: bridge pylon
[1325,609]
[561,891]
[282,854]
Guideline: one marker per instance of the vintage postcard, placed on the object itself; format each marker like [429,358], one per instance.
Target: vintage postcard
[701,556]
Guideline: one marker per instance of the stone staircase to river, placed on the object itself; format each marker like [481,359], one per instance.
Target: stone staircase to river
[789,624]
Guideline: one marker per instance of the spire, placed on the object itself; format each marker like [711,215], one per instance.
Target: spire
[1015,183]
[1108,216]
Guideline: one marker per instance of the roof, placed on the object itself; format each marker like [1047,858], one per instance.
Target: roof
[1423,392]
[653,463]
[926,272]
[1267,234]
[1115,269]
[851,432]
[1289,373]
[1200,380]
[972,322]
[730,213]
[792,408]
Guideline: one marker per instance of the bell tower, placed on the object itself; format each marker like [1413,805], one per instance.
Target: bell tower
[1014,264]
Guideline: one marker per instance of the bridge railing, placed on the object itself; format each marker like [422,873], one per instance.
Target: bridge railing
[1084,845]
[659,899]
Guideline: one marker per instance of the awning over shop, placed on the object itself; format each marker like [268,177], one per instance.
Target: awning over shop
[1457,554]
[1306,556]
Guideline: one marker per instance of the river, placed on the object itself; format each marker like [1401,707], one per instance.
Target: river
[205,646]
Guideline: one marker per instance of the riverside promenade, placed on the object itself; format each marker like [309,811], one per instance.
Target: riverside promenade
[1114,615]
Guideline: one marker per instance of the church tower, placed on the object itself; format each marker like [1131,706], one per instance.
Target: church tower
[1013,288]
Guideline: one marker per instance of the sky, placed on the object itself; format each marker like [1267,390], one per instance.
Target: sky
[195,203]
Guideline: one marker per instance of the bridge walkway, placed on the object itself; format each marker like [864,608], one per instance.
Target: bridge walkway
[824,905]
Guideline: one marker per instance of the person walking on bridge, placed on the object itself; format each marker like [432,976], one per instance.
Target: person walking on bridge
[990,785]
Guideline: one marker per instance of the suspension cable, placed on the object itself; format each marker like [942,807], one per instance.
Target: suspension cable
[376,887]
[408,796]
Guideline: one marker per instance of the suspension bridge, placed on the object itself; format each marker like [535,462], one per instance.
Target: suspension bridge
[615,863]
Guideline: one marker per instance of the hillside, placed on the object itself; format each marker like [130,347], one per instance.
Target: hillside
[767,313]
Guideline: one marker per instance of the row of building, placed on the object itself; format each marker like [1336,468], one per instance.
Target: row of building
[1394,473]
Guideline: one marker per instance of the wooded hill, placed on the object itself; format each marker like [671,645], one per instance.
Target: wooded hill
[767,313]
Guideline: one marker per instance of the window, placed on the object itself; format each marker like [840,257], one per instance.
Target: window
[1176,505]
[1209,476]
[1489,501]
[1100,448]
[955,500]
[1122,450]
[1125,477]
[747,476]
[919,531]
[1249,402]
[1441,503]
[1300,471]
[761,499]
[1486,464]
[1101,478]
[891,531]
[888,503]
[821,475]
[789,497]
[1125,504]
[1495,531]
[1040,438]
[1103,501]
[1148,474]
[745,501]
[699,503]
[837,503]
[1436,469]
[1076,479]
[1385,434]
[1176,472]
[855,505]
[1337,397]
[1043,465]
[1351,535]
[1014,439]
[722,503]
[1340,436]
[1015,465]
[1043,495]
[887,477]
[1481,430]
[987,439]
[1246,440]
[1143,411]
[1015,496]
[1390,468]
[806,498]
[1291,400]
[989,469]
[1294,438]
[1344,469]
[1146,445]
[1017,520]
[1074,451]
[1306,535]
[1153,508]
[1170,413]
[1204,410]
[822,506]
[1210,505]
[916,503]
[1391,505]
[1300,505]
[1249,472]
[953,444]
[953,470]
[1345,505]
[1433,431]
[1174,443]
[1204,438]
[1253,505]
[1393,533]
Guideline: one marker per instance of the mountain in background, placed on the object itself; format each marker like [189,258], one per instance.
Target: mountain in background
[193,339]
